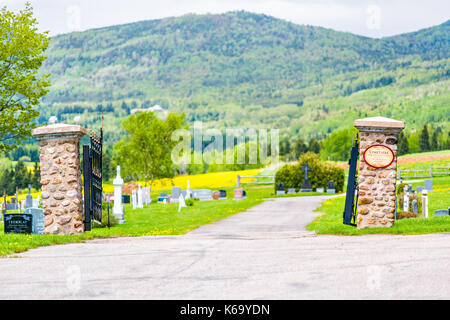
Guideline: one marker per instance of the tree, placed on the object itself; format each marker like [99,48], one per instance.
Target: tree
[144,152]
[403,147]
[424,139]
[299,148]
[314,146]
[21,55]
[337,146]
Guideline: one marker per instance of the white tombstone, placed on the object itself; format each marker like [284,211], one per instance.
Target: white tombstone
[147,199]
[140,202]
[425,203]
[406,200]
[133,199]
[188,191]
[118,208]
[181,202]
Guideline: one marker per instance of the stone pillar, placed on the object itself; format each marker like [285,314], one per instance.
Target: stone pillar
[61,177]
[118,208]
[377,171]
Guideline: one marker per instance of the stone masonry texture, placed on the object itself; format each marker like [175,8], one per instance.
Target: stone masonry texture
[61,180]
[376,205]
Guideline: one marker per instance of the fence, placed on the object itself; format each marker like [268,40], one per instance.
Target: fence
[424,173]
[238,180]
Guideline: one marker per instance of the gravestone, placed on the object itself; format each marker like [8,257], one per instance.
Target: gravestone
[441,212]
[330,187]
[216,195]
[38,220]
[280,188]
[36,203]
[238,194]
[140,202]
[415,206]
[321,190]
[244,194]
[18,223]
[406,201]
[176,192]
[202,194]
[429,185]
[11,206]
[291,191]
[162,197]
[182,203]
[425,203]
[306,186]
[147,196]
[29,199]
[126,198]
[188,191]
[420,189]
[134,198]
[223,195]
[118,210]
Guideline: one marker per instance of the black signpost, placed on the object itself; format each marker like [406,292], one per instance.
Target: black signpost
[351,198]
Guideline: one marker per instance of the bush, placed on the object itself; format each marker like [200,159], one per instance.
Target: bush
[400,188]
[400,197]
[321,172]
[189,202]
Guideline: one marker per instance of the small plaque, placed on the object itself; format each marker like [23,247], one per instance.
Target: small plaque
[378,156]
[18,223]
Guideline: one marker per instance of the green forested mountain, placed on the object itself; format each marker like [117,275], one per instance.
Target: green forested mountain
[241,69]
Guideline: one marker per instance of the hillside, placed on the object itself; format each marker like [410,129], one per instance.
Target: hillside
[241,69]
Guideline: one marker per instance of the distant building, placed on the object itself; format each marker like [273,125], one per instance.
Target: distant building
[160,112]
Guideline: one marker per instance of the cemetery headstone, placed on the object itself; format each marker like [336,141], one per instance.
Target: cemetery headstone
[147,195]
[406,201]
[18,223]
[420,189]
[306,186]
[11,206]
[425,203]
[291,191]
[134,198]
[223,194]
[181,202]
[280,188]
[126,198]
[238,194]
[321,190]
[244,194]
[188,191]
[330,187]
[429,185]
[38,224]
[29,199]
[415,206]
[441,212]
[118,211]
[176,192]
[202,194]
[140,202]
[162,197]
[216,195]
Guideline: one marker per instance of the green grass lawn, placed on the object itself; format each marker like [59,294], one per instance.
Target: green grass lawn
[330,222]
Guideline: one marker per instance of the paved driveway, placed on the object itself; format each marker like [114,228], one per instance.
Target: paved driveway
[263,253]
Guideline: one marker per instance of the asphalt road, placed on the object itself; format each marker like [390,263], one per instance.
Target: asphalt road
[263,253]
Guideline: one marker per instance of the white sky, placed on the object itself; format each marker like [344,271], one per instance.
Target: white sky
[373,18]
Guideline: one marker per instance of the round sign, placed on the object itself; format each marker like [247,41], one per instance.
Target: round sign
[378,156]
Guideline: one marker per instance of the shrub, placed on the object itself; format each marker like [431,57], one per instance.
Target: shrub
[189,202]
[400,197]
[321,172]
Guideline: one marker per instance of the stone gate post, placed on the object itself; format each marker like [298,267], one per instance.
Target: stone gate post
[377,171]
[61,177]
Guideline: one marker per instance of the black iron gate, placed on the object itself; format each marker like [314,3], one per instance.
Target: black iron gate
[92,173]
[351,198]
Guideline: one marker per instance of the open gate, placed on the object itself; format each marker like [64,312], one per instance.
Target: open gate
[351,198]
[92,173]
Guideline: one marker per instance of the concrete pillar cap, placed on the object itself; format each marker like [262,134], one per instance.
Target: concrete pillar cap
[379,122]
[58,130]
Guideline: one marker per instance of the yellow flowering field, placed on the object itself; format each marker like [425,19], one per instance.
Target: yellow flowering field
[206,180]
